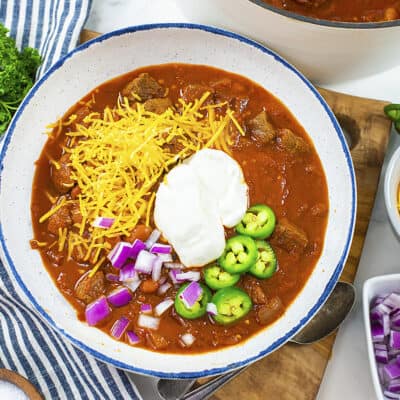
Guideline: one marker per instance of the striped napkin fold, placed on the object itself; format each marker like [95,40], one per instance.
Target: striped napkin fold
[27,344]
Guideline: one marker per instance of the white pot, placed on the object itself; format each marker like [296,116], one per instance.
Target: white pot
[114,54]
[326,52]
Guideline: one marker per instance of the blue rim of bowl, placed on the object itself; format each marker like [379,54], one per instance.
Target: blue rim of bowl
[329,287]
[325,22]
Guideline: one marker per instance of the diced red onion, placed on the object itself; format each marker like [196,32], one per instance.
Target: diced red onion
[172,274]
[393,352]
[385,332]
[120,254]
[386,324]
[144,262]
[112,277]
[188,339]
[377,332]
[394,386]
[379,311]
[392,301]
[149,322]
[127,273]
[136,247]
[391,371]
[172,265]
[97,311]
[120,297]
[146,308]
[188,276]
[156,272]
[152,239]
[103,222]
[380,372]
[132,337]
[162,280]
[160,308]
[191,294]
[377,300]
[212,309]
[391,395]
[160,248]
[119,327]
[382,356]
[165,258]
[394,339]
[395,317]
[163,288]
[133,285]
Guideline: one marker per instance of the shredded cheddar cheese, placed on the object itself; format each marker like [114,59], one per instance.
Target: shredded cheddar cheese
[119,156]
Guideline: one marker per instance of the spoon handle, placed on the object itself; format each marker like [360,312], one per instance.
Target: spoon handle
[205,391]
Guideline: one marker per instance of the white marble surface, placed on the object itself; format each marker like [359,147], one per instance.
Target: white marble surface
[347,376]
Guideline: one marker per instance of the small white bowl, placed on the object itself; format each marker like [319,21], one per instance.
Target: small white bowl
[373,287]
[392,180]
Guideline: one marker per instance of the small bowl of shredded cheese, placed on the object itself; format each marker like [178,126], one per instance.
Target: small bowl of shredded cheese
[392,194]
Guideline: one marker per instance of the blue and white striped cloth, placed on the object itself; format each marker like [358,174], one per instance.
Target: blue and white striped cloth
[27,344]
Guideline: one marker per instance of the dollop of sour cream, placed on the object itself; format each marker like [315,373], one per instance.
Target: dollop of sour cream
[196,200]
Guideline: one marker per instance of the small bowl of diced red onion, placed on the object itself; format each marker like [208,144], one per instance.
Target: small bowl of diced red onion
[381,307]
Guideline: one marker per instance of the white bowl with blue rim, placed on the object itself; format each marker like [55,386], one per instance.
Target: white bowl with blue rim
[114,54]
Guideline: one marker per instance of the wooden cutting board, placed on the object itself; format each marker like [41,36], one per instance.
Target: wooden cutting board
[295,372]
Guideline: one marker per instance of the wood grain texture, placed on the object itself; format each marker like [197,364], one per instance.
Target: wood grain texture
[295,372]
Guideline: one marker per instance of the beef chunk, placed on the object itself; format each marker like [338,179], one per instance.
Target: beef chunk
[78,253]
[60,219]
[194,91]
[61,176]
[156,341]
[269,311]
[261,129]
[158,106]
[55,257]
[289,236]
[288,141]
[143,86]
[88,288]
[75,192]
[253,288]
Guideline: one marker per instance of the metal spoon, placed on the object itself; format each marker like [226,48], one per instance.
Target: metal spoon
[327,320]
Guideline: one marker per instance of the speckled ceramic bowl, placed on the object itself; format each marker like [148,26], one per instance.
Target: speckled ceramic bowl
[114,54]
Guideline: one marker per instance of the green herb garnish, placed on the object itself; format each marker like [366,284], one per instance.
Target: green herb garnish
[17,74]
